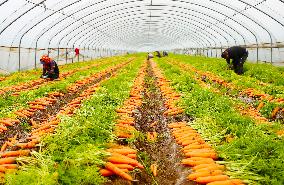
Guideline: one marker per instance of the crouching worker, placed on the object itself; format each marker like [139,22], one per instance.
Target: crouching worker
[149,56]
[238,55]
[50,68]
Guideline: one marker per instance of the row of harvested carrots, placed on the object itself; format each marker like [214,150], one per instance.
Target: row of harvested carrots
[124,127]
[122,159]
[34,84]
[9,158]
[170,96]
[250,92]
[42,103]
[249,111]
[199,155]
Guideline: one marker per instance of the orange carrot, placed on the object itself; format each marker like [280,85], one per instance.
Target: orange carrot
[274,112]
[8,160]
[195,175]
[124,166]
[117,171]
[132,156]
[4,146]
[6,122]
[195,163]
[211,167]
[260,106]
[193,146]
[15,153]
[153,168]
[28,145]
[9,166]
[212,155]
[227,182]
[121,159]
[15,121]
[107,173]
[3,127]
[208,179]
[20,114]
[123,151]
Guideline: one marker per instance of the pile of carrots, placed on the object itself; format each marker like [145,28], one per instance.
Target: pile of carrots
[200,156]
[2,78]
[7,122]
[121,160]
[124,127]
[8,160]
[38,104]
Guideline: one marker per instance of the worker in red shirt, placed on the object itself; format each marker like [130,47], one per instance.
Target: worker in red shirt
[50,68]
[77,51]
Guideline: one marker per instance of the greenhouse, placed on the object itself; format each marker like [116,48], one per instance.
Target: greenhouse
[142,92]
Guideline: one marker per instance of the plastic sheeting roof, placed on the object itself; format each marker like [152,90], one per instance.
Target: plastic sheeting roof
[140,24]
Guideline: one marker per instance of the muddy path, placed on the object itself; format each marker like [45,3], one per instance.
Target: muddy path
[164,152]
[22,130]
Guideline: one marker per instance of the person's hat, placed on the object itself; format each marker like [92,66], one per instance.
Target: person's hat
[44,58]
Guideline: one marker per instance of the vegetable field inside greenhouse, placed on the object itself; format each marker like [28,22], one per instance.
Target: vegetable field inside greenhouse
[170,120]
[141,92]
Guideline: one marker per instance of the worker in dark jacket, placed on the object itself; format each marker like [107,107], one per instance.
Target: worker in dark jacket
[50,68]
[238,55]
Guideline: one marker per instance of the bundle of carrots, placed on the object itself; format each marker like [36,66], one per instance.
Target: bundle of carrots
[7,122]
[2,78]
[200,156]
[122,159]
[38,104]
[254,113]
[8,160]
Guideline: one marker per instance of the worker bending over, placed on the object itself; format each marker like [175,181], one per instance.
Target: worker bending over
[238,55]
[50,68]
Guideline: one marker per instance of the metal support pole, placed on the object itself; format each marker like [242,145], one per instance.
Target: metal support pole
[257,59]
[66,55]
[271,50]
[58,53]
[19,59]
[84,54]
[35,56]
